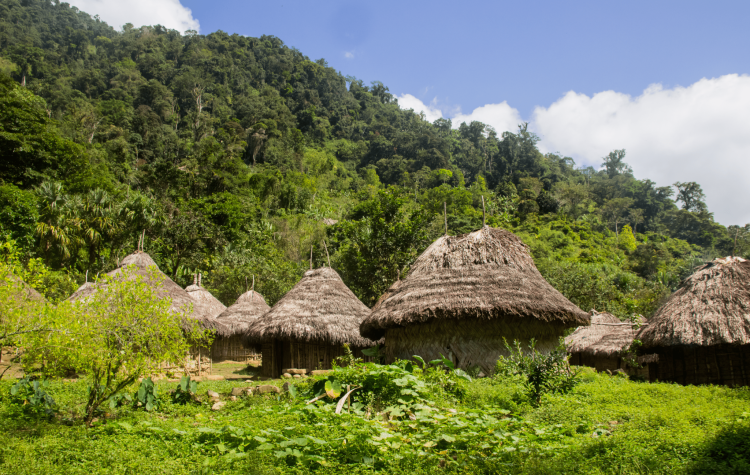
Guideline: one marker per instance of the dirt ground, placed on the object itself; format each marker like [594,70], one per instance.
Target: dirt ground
[231,370]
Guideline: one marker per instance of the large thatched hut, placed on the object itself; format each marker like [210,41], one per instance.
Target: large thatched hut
[308,327]
[211,306]
[702,332]
[248,308]
[466,293]
[199,359]
[601,345]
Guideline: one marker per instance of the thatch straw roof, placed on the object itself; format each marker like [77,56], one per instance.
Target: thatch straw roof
[212,307]
[607,336]
[167,288]
[81,291]
[248,308]
[711,307]
[320,308]
[26,293]
[585,336]
[487,274]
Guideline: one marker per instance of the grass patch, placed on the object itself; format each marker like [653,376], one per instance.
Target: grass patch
[604,425]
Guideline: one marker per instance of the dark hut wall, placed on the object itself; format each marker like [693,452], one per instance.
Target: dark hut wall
[233,348]
[468,343]
[600,363]
[278,355]
[727,365]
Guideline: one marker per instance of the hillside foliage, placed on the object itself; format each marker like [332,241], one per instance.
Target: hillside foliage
[237,155]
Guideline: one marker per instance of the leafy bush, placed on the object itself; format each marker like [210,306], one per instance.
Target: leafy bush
[186,391]
[543,372]
[32,396]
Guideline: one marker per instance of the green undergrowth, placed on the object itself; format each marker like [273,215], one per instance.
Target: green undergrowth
[604,424]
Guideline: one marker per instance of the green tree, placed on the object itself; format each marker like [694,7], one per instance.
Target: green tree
[615,164]
[691,195]
[125,329]
[380,238]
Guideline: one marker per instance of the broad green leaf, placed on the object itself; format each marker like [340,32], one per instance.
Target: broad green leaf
[333,389]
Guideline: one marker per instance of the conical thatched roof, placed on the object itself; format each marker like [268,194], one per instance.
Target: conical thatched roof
[320,308]
[180,299]
[607,336]
[248,308]
[81,291]
[711,307]
[211,305]
[586,336]
[487,274]
[27,292]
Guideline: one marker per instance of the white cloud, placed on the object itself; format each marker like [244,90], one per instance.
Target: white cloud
[695,133]
[349,55]
[431,112]
[500,116]
[169,13]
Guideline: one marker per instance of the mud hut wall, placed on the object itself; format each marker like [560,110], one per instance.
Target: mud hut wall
[278,355]
[233,348]
[727,365]
[467,343]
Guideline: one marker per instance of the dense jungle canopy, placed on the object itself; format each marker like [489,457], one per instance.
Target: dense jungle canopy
[235,155]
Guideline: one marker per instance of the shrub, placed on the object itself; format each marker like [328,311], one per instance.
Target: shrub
[543,373]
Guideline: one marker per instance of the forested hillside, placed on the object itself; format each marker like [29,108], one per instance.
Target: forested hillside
[234,155]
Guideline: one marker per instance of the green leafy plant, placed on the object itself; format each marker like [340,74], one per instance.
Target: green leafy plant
[33,396]
[543,373]
[186,391]
[146,395]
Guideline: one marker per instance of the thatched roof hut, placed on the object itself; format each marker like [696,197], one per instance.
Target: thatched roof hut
[181,301]
[248,308]
[212,307]
[702,332]
[27,292]
[310,324]
[601,344]
[466,293]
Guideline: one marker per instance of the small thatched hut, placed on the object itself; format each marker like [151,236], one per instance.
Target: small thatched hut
[211,306]
[466,293]
[702,333]
[308,327]
[248,308]
[601,344]
[181,301]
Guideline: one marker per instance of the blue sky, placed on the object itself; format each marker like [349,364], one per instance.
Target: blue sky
[667,81]
[467,54]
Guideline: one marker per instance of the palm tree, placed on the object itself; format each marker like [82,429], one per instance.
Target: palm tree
[57,225]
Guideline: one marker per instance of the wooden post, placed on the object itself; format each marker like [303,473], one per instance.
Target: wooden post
[252,296]
[143,240]
[327,255]
[484,221]
[445,217]
[311,246]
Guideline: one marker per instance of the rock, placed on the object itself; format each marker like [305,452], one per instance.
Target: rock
[218,406]
[212,394]
[481,375]
[266,388]
[286,375]
[297,376]
[238,391]
[321,372]
[294,371]
[214,377]
[232,398]
[249,391]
